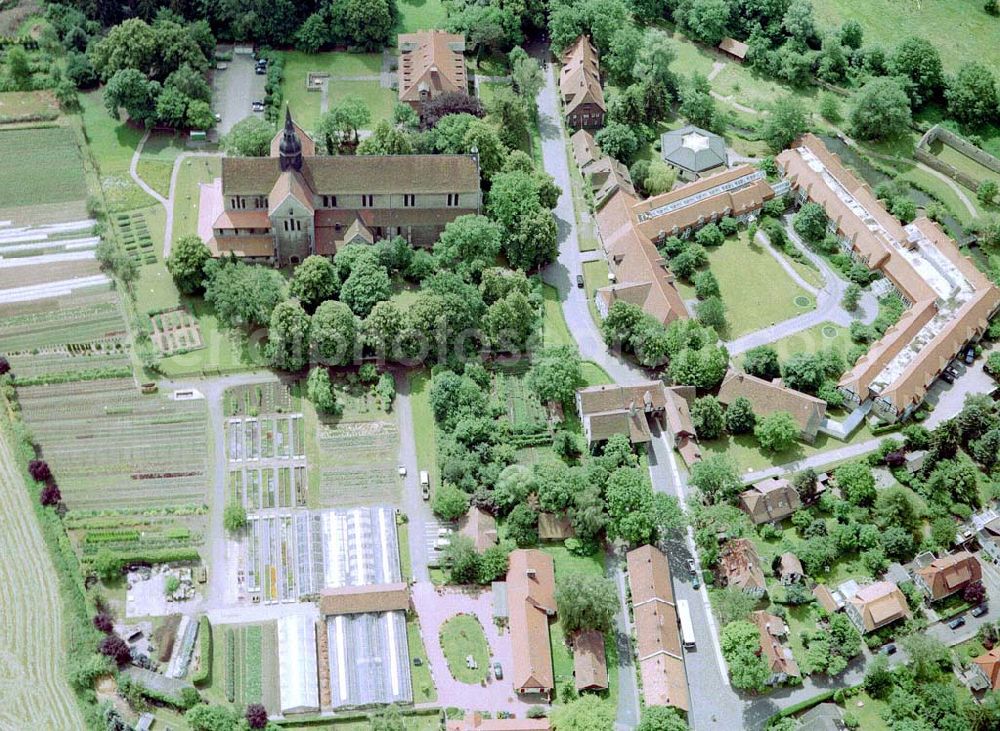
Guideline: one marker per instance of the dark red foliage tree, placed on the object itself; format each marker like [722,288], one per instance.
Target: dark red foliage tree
[4,366]
[104,623]
[117,649]
[974,593]
[256,716]
[454,102]
[896,459]
[39,470]
[50,495]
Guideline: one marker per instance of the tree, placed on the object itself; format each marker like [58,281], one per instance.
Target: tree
[530,234]
[461,559]
[449,503]
[250,137]
[928,655]
[631,515]
[786,121]
[987,192]
[697,104]
[712,313]
[706,21]
[344,120]
[555,374]
[333,333]
[974,593]
[243,294]
[131,90]
[587,713]
[706,285]
[50,495]
[452,103]
[661,718]
[856,482]
[776,432]
[204,717]
[881,110]
[732,605]
[107,565]
[483,137]
[852,297]
[618,141]
[526,76]
[367,284]
[387,718]
[717,478]
[522,525]
[798,21]
[319,391]
[39,470]
[114,647]
[256,716]
[762,361]
[740,417]
[314,281]
[288,336]
[366,23]
[468,245]
[918,61]
[586,602]
[706,414]
[703,368]
[972,94]
[653,60]
[18,68]
[234,517]
[804,372]
[740,643]
[810,222]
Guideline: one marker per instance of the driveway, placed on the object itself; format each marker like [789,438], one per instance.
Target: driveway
[418,511]
[233,88]
[436,605]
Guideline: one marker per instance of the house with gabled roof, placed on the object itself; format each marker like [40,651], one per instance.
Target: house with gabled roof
[590,665]
[947,575]
[739,567]
[580,86]
[779,658]
[876,605]
[531,601]
[769,397]
[987,667]
[431,63]
[770,500]
[613,409]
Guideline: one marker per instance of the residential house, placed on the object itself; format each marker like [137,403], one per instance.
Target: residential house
[590,665]
[531,588]
[739,567]
[431,64]
[987,527]
[949,574]
[734,49]
[987,667]
[769,397]
[779,658]
[823,717]
[295,203]
[876,605]
[914,461]
[607,176]
[679,423]
[555,527]
[790,569]
[613,409]
[770,500]
[585,150]
[580,86]
[950,301]
[658,641]
[480,527]
[474,721]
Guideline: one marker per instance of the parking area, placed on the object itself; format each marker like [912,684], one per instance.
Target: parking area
[436,534]
[234,88]
[946,399]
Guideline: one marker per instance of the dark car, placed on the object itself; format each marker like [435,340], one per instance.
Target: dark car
[956,623]
[980,610]
[257,106]
[889,649]
[579,281]
[947,376]
[497,671]
[970,356]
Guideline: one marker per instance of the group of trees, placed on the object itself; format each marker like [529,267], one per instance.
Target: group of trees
[775,432]
[813,373]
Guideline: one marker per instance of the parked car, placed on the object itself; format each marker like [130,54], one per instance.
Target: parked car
[947,376]
[497,671]
[218,117]
[692,568]
[956,623]
[257,105]
[889,649]
[402,470]
[970,355]
[980,610]
[260,68]
[579,281]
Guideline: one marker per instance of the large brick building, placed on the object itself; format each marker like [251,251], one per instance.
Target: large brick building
[282,208]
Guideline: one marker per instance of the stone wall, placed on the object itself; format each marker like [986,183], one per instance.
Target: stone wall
[959,144]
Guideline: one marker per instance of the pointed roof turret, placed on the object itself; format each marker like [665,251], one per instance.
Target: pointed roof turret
[290,150]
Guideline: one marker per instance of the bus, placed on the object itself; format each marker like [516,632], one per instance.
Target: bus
[684,619]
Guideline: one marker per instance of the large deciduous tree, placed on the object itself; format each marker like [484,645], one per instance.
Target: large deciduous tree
[288,336]
[776,432]
[786,121]
[881,110]
[918,61]
[556,374]
[972,94]
[740,643]
[586,602]
[468,245]
[250,137]
[334,333]
[314,281]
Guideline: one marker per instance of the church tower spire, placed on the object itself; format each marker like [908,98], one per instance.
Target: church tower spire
[290,150]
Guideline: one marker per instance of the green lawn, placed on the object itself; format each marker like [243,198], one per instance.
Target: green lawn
[423,684]
[157,160]
[965,164]
[417,15]
[594,375]
[193,171]
[461,636]
[305,104]
[46,164]
[423,422]
[155,287]
[962,31]
[819,337]
[595,276]
[868,711]
[742,270]
[555,331]
[224,348]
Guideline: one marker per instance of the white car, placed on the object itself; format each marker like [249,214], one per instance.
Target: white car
[402,470]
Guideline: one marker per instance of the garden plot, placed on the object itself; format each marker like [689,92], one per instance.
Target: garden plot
[259,398]
[251,665]
[175,331]
[133,232]
[290,554]
[266,438]
[111,447]
[270,487]
[525,412]
[48,169]
[358,463]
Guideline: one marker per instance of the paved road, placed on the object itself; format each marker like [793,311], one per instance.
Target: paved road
[234,88]
[417,510]
[628,687]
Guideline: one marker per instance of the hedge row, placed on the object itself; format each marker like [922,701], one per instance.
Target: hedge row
[204,674]
[143,556]
[111,536]
[94,374]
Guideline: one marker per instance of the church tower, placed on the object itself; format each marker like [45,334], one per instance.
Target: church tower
[290,151]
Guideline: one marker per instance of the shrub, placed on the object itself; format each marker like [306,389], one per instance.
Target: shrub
[39,470]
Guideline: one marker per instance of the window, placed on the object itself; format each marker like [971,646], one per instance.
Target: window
[329,201]
[259,202]
[237,202]
[409,200]
[367,200]
[452,200]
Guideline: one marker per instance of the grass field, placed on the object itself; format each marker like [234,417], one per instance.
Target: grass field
[36,694]
[423,424]
[420,15]
[960,29]
[814,339]
[48,169]
[963,163]
[306,104]
[187,195]
[555,331]
[461,636]
[157,160]
[737,264]
[18,106]
[594,375]
[420,675]
[111,447]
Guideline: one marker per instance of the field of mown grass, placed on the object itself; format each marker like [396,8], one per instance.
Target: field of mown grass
[960,29]
[813,340]
[192,173]
[157,160]
[25,105]
[417,15]
[461,636]
[40,166]
[36,693]
[305,104]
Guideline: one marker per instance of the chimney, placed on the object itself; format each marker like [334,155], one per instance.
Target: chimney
[531,573]
[435,77]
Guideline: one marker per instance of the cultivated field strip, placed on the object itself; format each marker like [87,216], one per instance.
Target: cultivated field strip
[358,464]
[112,447]
[34,691]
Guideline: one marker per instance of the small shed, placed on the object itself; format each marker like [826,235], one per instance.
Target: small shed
[590,667]
[734,48]
[553,527]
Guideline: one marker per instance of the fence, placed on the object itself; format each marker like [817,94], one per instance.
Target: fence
[952,140]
